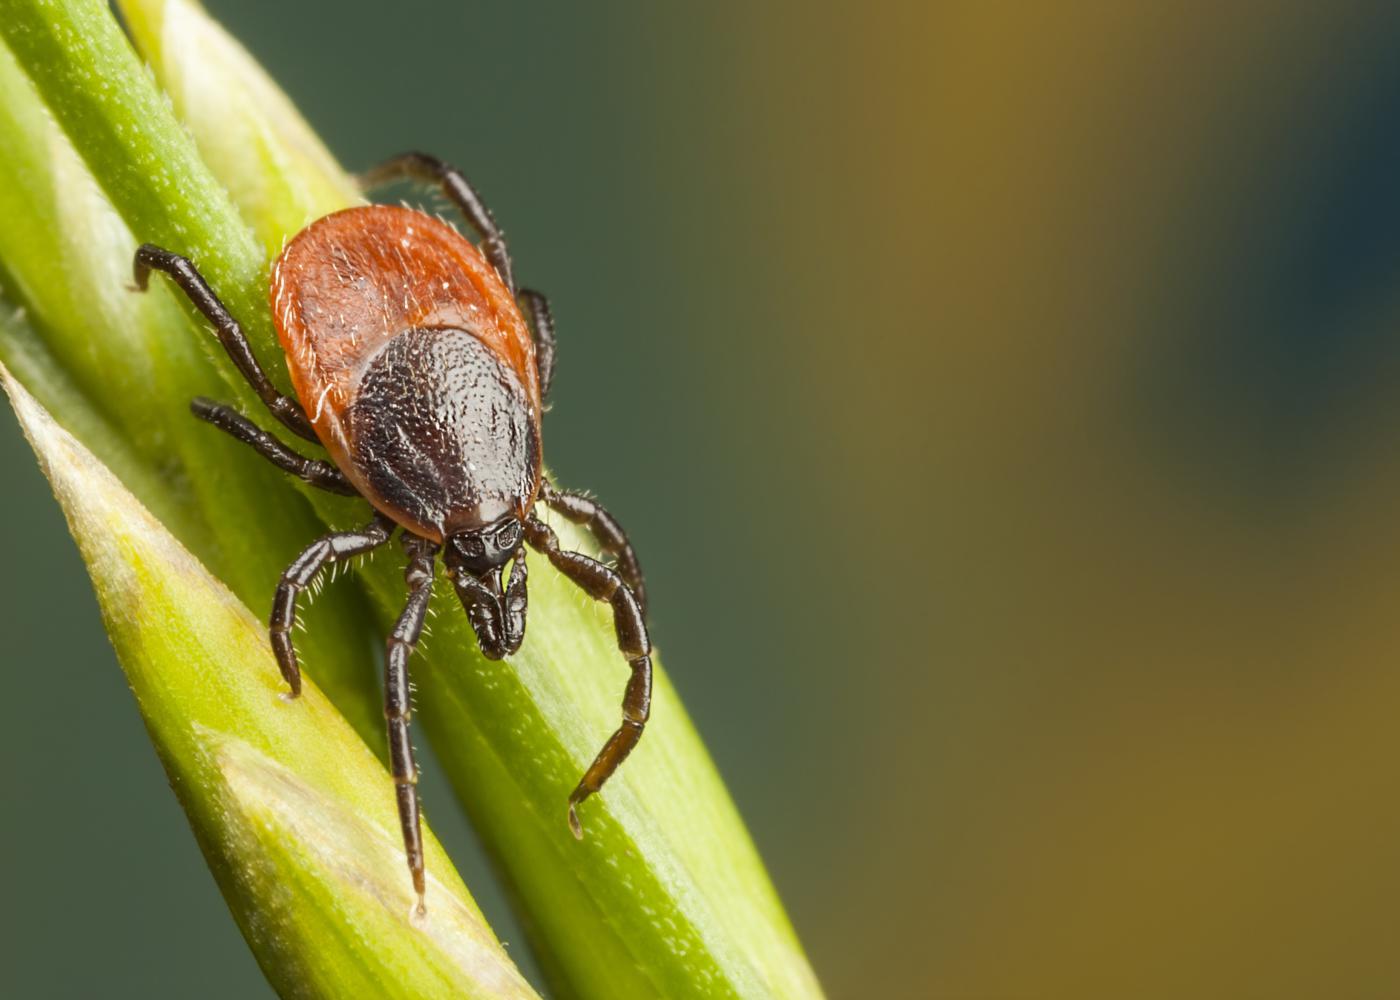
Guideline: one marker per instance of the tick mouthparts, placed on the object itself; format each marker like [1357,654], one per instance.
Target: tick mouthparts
[487,584]
[497,578]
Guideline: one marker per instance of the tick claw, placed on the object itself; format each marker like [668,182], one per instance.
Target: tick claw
[574,824]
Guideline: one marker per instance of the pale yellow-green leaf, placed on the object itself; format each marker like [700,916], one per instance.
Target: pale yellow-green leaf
[294,814]
[119,368]
[665,896]
[274,165]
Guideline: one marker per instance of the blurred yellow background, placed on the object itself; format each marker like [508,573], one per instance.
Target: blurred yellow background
[1095,321]
[1003,400]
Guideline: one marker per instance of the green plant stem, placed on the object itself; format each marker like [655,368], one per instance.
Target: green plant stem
[294,815]
[89,77]
[665,896]
[136,360]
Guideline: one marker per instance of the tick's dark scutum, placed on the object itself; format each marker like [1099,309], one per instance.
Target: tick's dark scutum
[440,429]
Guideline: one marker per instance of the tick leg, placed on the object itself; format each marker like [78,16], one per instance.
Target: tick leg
[319,473]
[603,526]
[431,170]
[542,328]
[397,707]
[332,548]
[231,336]
[603,584]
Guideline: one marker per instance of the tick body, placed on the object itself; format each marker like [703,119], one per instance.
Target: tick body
[422,370]
[416,367]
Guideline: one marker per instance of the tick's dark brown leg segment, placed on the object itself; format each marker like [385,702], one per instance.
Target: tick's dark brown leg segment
[328,549]
[431,170]
[397,694]
[319,473]
[231,336]
[603,526]
[603,584]
[542,326]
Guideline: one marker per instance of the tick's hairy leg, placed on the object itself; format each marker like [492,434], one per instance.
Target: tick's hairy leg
[604,584]
[584,510]
[327,549]
[397,701]
[454,184]
[286,409]
[318,472]
[541,321]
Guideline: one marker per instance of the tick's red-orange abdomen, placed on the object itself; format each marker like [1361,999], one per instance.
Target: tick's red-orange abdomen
[353,283]
[350,282]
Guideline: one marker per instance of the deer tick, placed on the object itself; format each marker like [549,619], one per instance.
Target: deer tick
[422,369]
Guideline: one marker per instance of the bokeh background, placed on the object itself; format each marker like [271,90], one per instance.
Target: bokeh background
[1003,400]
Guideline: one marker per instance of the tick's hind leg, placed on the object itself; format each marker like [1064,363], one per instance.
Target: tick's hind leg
[317,472]
[397,706]
[454,184]
[589,513]
[327,549]
[231,336]
[541,322]
[603,584]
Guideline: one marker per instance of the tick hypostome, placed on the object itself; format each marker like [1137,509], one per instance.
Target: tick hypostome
[422,369]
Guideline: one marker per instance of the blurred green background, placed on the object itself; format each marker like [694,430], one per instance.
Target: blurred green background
[1002,399]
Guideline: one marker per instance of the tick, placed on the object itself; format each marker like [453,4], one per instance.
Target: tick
[422,370]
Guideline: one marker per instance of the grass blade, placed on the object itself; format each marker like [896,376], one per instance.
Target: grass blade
[666,895]
[133,362]
[294,814]
[276,169]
